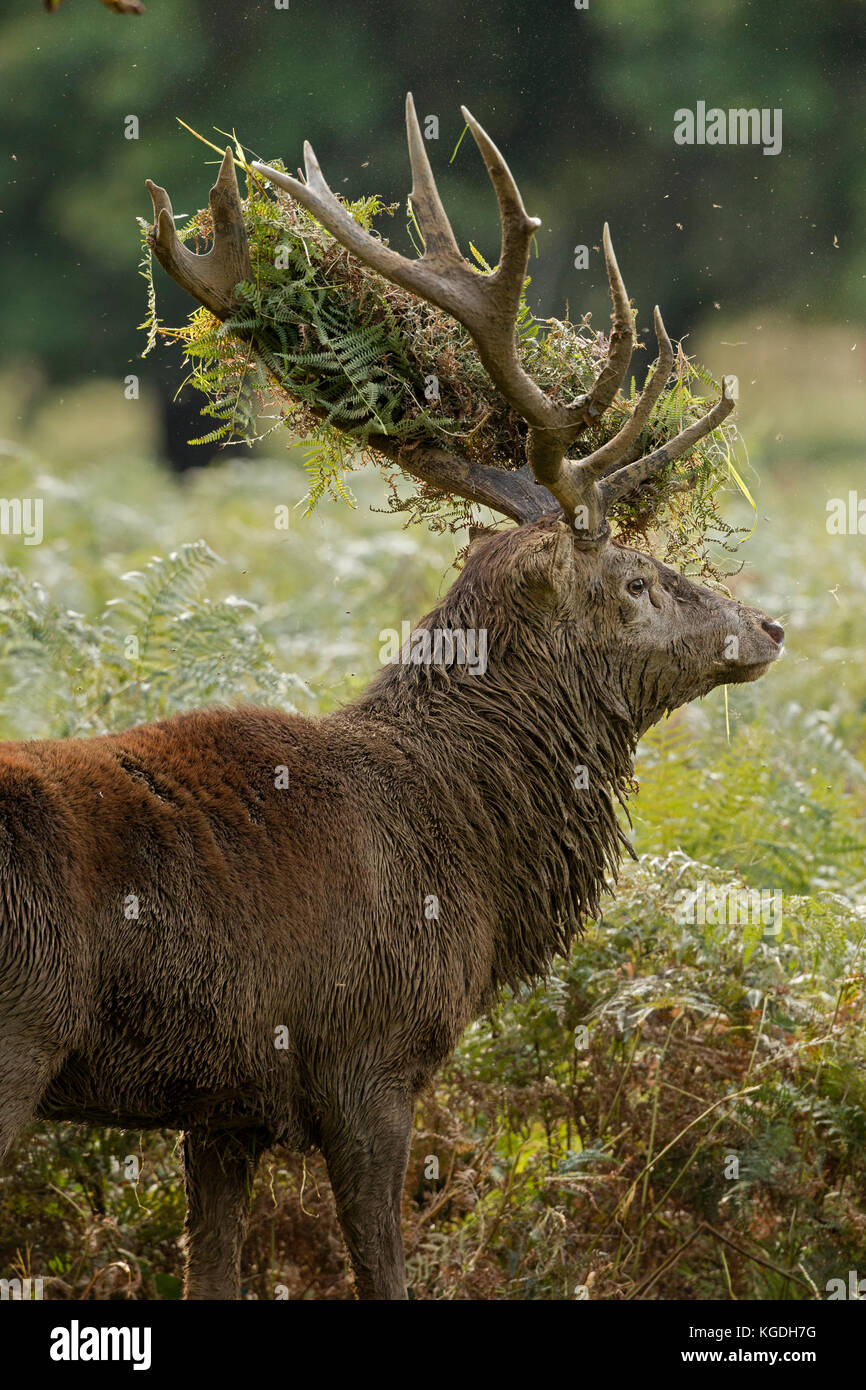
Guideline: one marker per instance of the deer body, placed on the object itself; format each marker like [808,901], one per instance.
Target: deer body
[263,957]
[263,992]
[262,929]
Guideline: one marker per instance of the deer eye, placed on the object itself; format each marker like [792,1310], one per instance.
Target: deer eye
[636,586]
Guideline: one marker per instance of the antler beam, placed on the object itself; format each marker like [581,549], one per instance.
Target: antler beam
[514,493]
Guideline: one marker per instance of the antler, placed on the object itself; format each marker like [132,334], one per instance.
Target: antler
[210,278]
[487,307]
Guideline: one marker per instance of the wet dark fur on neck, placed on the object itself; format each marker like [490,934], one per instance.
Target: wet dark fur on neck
[502,750]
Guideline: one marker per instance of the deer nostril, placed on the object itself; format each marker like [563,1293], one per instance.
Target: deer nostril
[774,630]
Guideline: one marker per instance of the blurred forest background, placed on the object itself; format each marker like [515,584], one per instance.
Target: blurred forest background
[604,1168]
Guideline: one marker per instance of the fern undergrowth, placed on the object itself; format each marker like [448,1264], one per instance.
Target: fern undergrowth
[159,647]
[677,1112]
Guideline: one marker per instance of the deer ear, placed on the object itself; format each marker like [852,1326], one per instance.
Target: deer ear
[544,566]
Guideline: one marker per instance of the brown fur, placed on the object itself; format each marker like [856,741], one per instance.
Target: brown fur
[304,908]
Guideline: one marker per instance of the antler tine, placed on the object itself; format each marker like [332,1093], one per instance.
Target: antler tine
[212,277]
[621,342]
[440,245]
[625,480]
[517,227]
[604,459]
[572,487]
[588,486]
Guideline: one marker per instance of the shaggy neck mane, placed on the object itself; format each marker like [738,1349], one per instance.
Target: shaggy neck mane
[531,756]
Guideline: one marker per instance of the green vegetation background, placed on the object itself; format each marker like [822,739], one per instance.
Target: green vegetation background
[706,1138]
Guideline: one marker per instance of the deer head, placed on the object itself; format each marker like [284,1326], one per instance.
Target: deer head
[621,633]
[666,639]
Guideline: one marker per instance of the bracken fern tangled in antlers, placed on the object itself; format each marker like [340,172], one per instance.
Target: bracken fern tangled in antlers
[366,370]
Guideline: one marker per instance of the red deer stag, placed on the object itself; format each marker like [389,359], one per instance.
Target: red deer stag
[282,865]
